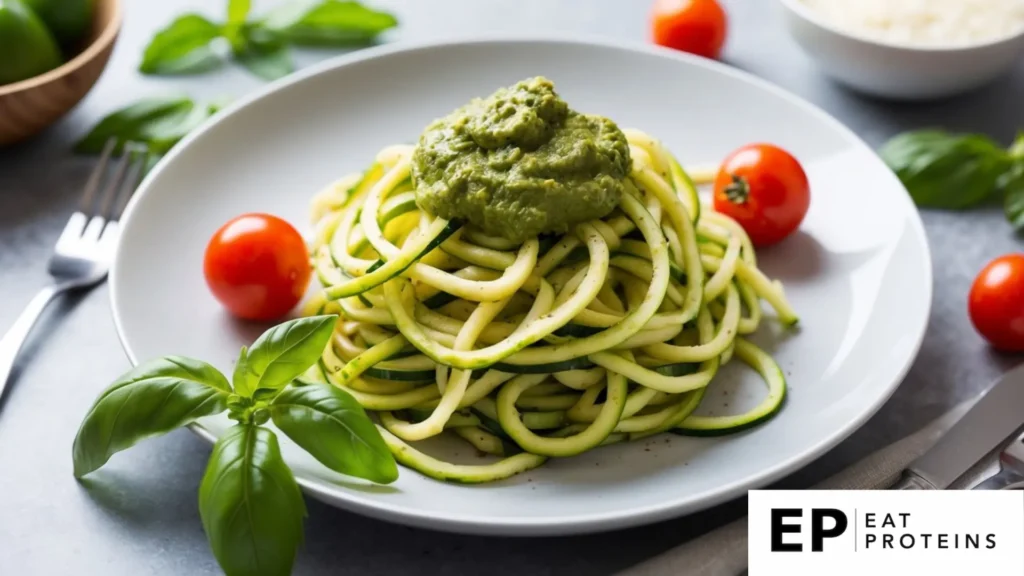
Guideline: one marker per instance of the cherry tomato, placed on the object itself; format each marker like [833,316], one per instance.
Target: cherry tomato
[256,265]
[765,189]
[694,26]
[996,303]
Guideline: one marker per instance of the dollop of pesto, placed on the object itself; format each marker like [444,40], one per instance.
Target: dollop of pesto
[520,163]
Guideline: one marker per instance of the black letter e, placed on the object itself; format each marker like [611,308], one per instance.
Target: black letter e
[779,528]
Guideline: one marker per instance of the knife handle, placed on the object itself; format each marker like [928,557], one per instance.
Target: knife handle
[912,481]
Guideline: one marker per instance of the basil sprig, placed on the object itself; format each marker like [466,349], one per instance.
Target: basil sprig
[158,123]
[249,502]
[193,44]
[959,171]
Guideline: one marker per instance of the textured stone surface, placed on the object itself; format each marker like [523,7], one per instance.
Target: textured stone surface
[140,517]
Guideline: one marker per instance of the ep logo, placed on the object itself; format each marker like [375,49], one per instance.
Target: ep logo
[858,532]
[822,523]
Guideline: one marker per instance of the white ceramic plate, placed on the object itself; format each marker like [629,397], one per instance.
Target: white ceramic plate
[858,272]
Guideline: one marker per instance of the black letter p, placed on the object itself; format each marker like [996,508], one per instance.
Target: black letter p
[818,532]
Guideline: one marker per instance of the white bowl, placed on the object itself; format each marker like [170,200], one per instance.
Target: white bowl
[898,71]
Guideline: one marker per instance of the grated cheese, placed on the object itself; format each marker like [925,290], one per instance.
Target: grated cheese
[925,22]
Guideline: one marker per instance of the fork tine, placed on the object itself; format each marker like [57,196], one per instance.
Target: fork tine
[85,205]
[140,157]
[98,222]
[113,185]
[132,152]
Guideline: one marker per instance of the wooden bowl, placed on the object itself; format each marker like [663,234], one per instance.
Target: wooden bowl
[29,106]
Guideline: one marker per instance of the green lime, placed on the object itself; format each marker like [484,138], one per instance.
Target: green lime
[69,20]
[27,47]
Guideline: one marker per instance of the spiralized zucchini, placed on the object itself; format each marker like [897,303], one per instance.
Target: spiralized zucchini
[545,348]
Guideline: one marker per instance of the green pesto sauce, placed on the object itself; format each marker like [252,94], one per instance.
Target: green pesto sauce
[520,163]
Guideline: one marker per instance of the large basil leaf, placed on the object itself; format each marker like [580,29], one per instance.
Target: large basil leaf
[152,399]
[250,505]
[328,423]
[184,47]
[328,22]
[942,170]
[284,352]
[157,123]
[135,122]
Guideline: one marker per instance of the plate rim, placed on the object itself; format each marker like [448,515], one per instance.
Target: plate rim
[577,523]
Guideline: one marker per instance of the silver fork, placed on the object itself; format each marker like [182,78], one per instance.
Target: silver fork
[85,248]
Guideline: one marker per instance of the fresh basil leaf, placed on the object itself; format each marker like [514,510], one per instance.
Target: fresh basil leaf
[134,122]
[238,10]
[184,47]
[265,394]
[286,14]
[1016,150]
[328,423]
[158,123]
[250,505]
[163,134]
[941,170]
[329,23]
[1013,205]
[154,398]
[264,54]
[1013,197]
[239,379]
[284,352]
[267,63]
[163,137]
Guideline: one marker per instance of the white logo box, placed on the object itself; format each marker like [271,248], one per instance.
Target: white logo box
[886,532]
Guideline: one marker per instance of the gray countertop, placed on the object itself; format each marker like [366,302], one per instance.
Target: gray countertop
[143,518]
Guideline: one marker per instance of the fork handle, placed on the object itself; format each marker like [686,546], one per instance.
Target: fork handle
[17,335]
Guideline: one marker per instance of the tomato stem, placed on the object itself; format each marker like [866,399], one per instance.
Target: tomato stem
[738,191]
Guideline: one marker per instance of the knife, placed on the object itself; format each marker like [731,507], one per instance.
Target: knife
[1011,468]
[990,421]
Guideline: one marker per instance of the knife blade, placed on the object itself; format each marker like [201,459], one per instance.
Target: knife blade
[989,422]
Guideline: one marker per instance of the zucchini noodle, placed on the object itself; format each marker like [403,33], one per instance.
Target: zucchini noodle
[544,348]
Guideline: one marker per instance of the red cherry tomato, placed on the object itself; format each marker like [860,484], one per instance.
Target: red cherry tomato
[694,26]
[765,189]
[996,303]
[256,265]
